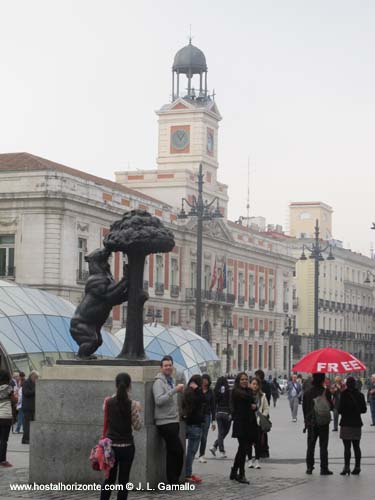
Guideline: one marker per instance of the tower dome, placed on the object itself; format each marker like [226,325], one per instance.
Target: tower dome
[189,60]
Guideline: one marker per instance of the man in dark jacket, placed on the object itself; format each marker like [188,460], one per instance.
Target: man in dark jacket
[28,404]
[316,430]
[266,389]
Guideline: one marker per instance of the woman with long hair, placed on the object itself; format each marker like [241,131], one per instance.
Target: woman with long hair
[223,415]
[244,422]
[208,414]
[257,435]
[352,404]
[123,415]
[192,407]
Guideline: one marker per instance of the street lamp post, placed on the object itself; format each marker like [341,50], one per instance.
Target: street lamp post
[202,211]
[316,253]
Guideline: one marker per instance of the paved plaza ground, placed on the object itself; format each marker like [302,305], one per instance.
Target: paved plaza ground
[282,476]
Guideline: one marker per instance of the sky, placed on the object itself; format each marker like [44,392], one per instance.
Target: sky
[80,81]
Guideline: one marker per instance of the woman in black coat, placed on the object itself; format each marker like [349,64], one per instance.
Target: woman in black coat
[244,423]
[352,404]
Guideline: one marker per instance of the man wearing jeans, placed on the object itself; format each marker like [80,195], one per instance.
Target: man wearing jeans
[167,419]
[294,393]
[372,398]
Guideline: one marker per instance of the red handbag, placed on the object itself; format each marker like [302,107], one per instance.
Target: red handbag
[96,450]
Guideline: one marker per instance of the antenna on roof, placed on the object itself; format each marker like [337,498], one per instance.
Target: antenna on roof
[248,192]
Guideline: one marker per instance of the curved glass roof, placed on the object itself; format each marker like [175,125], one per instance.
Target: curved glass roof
[35,321]
[191,353]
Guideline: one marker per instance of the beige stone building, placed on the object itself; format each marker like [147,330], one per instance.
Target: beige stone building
[346,294]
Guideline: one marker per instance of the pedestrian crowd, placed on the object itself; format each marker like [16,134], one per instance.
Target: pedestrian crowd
[245,408]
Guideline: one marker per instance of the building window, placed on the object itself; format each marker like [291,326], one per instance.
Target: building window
[173,318]
[240,284]
[260,357]
[239,357]
[250,363]
[251,287]
[207,277]
[174,272]
[82,272]
[230,282]
[270,364]
[270,290]
[159,269]
[261,289]
[7,268]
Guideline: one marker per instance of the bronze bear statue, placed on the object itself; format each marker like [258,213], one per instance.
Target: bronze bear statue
[101,294]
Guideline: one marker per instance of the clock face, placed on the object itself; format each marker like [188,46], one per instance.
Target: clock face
[210,141]
[180,139]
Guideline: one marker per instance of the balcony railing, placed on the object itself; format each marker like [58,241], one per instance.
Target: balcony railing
[271,305]
[251,332]
[145,285]
[261,333]
[241,300]
[262,303]
[251,302]
[241,332]
[159,288]
[285,307]
[175,291]
[8,272]
[211,296]
[82,275]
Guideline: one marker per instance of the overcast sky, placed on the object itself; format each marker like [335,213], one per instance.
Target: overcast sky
[295,81]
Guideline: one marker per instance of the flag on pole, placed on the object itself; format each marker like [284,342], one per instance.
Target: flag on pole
[214,276]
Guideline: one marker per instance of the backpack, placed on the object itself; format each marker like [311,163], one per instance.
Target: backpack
[321,410]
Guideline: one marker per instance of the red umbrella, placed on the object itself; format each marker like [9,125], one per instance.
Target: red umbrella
[329,360]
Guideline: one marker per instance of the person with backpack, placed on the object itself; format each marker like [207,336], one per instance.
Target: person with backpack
[317,407]
[352,404]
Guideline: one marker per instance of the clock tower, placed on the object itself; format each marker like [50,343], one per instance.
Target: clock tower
[188,137]
[188,125]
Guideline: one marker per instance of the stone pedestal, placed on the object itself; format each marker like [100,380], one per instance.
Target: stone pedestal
[69,422]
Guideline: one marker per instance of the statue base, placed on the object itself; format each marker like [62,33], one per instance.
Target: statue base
[69,421]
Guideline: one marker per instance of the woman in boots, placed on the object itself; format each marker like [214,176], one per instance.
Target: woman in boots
[352,404]
[244,423]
